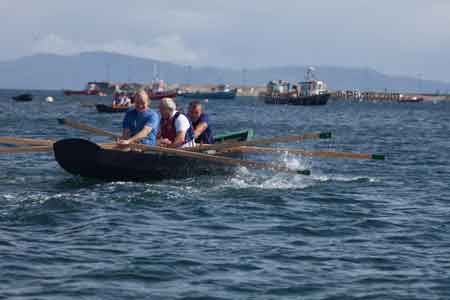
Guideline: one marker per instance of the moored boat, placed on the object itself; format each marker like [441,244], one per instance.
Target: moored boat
[83,93]
[92,89]
[87,159]
[23,98]
[321,99]
[410,99]
[159,90]
[308,92]
[157,95]
[222,92]
[102,108]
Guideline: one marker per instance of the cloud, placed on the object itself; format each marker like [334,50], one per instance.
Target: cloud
[168,48]
[401,37]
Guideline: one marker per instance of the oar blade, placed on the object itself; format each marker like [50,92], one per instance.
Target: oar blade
[325,135]
[303,172]
[378,157]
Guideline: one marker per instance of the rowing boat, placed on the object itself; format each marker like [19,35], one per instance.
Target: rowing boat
[87,159]
[102,108]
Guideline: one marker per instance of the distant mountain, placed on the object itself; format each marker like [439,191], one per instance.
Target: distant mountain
[49,71]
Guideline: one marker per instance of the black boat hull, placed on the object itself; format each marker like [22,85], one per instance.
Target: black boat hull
[303,100]
[86,159]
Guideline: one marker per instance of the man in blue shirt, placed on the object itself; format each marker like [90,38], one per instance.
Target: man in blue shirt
[202,128]
[140,124]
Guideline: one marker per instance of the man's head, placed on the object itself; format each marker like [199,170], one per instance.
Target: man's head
[166,107]
[141,101]
[195,110]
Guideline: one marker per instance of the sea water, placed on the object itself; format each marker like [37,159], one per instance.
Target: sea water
[354,229]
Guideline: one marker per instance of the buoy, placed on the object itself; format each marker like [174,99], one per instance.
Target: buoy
[49,99]
[206,100]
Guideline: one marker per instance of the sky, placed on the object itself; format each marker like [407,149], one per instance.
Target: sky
[397,37]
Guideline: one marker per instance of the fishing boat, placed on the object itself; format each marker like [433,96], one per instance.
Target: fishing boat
[157,95]
[102,108]
[321,99]
[91,90]
[23,98]
[86,159]
[159,90]
[410,99]
[221,92]
[308,92]
[83,93]
[105,87]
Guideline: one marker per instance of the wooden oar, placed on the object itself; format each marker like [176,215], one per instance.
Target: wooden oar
[77,125]
[25,141]
[5,150]
[184,153]
[247,149]
[264,141]
[39,148]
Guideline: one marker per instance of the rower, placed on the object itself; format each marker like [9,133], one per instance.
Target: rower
[140,124]
[126,101]
[116,100]
[121,100]
[176,129]
[200,122]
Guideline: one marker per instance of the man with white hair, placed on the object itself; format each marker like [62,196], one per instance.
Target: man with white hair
[141,124]
[176,129]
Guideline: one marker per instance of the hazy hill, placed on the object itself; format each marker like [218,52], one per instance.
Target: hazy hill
[49,71]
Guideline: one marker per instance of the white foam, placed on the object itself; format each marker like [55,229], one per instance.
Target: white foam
[342,178]
[265,179]
[246,178]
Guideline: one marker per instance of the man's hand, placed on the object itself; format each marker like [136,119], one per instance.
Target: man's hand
[123,142]
[165,142]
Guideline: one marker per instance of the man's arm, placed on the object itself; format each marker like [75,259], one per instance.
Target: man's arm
[125,134]
[200,129]
[179,140]
[140,135]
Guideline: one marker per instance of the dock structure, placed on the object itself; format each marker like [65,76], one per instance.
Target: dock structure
[367,95]
[387,96]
